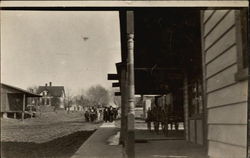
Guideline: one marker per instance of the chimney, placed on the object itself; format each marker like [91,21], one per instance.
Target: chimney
[50,84]
[46,84]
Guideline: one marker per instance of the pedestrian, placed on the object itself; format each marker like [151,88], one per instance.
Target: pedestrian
[98,114]
[92,115]
[165,120]
[105,114]
[86,115]
[111,114]
[156,118]
[149,119]
[95,114]
[115,113]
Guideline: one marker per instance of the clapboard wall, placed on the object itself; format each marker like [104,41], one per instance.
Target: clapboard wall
[226,98]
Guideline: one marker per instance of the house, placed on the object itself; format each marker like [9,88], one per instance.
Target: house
[199,56]
[14,101]
[52,95]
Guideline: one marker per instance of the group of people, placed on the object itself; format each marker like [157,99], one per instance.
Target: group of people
[109,114]
[92,114]
[160,117]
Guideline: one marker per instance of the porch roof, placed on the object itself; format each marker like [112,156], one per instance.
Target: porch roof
[19,90]
[167,46]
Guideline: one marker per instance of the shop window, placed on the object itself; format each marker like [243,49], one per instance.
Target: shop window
[241,41]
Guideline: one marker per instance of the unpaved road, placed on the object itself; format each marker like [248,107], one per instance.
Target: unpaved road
[51,135]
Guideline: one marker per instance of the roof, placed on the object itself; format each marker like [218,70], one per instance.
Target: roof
[28,94]
[55,91]
[171,49]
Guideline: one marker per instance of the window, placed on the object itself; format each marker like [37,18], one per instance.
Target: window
[241,41]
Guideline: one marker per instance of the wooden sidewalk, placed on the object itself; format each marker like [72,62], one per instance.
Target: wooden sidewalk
[97,146]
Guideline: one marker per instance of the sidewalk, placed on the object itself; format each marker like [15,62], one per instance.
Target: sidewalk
[152,136]
[169,149]
[160,146]
[97,145]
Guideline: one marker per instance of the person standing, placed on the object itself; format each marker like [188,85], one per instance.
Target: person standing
[156,118]
[95,114]
[92,114]
[98,114]
[105,114]
[149,119]
[86,115]
[111,114]
[165,120]
[115,113]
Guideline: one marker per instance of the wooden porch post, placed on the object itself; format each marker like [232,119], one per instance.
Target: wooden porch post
[123,105]
[24,102]
[186,121]
[204,84]
[130,85]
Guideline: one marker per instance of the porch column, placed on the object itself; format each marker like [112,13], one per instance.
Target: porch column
[186,123]
[123,105]
[24,102]
[131,87]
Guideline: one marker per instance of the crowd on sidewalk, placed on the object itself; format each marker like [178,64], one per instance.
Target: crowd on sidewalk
[161,117]
[109,114]
[106,114]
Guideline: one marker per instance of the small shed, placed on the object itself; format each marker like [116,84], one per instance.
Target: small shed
[14,100]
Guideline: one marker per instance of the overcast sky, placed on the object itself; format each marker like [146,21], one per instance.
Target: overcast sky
[71,49]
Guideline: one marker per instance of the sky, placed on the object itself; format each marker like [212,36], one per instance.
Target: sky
[75,49]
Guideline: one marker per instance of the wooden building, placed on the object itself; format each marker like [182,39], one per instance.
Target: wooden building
[52,95]
[14,100]
[225,64]
[198,55]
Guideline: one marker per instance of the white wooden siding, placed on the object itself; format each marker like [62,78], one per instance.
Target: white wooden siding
[226,97]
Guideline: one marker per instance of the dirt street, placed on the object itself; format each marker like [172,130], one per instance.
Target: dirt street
[49,135]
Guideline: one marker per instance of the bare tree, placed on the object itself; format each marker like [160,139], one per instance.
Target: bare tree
[116,99]
[32,89]
[68,99]
[83,101]
[98,95]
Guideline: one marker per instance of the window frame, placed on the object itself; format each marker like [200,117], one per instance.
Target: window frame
[242,33]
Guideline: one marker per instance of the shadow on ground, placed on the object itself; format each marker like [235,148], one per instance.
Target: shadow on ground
[63,147]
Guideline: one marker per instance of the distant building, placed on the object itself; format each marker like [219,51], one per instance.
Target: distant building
[52,95]
[14,101]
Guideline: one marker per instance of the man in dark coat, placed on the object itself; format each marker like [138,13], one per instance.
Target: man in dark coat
[105,114]
[149,119]
[111,114]
[86,115]
[115,113]
[165,120]
[156,117]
